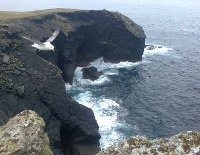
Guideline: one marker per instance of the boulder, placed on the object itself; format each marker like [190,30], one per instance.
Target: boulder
[91,73]
[24,134]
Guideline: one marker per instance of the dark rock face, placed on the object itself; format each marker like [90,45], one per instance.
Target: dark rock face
[31,79]
[91,73]
[40,87]
[95,34]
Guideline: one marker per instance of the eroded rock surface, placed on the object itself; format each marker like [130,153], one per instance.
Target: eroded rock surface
[181,144]
[24,134]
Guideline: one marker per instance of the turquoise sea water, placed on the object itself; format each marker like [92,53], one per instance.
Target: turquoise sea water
[157,97]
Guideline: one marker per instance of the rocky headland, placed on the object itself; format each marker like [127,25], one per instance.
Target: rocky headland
[35,80]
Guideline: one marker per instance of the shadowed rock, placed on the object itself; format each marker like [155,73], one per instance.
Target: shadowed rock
[40,87]
[88,35]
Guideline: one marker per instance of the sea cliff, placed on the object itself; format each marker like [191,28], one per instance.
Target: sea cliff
[35,80]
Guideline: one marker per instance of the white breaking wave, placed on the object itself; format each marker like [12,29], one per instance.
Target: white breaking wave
[104,66]
[156,49]
[110,69]
[107,68]
[108,113]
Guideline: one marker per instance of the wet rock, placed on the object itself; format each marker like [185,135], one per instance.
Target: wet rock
[91,73]
[24,134]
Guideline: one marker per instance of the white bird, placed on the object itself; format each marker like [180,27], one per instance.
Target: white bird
[46,45]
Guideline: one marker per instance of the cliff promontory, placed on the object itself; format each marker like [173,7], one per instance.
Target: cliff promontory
[33,80]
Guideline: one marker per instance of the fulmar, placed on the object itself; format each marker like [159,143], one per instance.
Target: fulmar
[46,46]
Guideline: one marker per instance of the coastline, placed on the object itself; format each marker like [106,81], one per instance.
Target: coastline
[34,79]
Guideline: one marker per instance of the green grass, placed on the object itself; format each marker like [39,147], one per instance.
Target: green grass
[6,15]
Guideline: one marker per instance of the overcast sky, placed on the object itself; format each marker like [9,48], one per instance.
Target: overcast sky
[113,5]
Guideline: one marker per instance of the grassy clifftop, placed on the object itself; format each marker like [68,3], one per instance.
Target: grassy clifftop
[7,15]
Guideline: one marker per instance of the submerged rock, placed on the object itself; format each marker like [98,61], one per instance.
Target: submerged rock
[181,144]
[24,134]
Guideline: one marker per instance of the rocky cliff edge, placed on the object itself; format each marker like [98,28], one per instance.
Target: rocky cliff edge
[33,80]
[187,143]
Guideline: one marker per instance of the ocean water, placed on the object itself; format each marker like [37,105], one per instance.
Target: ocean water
[157,97]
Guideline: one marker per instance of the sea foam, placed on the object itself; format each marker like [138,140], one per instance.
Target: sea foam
[156,49]
[107,68]
[108,113]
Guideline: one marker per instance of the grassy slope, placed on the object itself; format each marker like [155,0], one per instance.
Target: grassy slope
[6,15]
